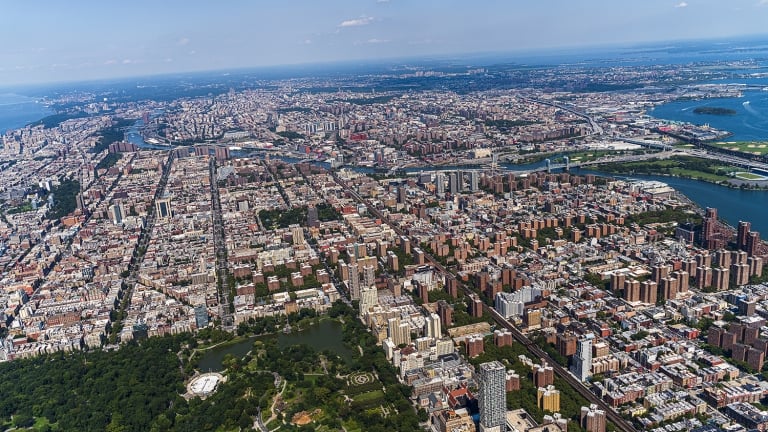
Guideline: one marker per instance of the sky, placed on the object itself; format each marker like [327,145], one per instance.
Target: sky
[56,41]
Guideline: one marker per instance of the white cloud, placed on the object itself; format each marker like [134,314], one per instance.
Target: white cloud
[183,41]
[762,3]
[377,41]
[382,1]
[110,62]
[307,41]
[127,61]
[681,5]
[364,20]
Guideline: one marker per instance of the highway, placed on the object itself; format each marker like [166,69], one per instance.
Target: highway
[613,416]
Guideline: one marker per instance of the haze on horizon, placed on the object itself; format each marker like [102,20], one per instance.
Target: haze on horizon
[53,41]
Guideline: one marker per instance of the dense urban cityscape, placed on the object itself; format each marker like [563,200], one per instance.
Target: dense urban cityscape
[456,248]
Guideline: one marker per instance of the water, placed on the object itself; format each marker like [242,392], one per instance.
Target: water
[750,123]
[733,205]
[323,336]
[133,136]
[17,111]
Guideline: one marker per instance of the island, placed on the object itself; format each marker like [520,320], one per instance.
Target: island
[714,111]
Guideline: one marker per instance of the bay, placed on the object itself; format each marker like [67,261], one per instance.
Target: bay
[17,111]
[750,123]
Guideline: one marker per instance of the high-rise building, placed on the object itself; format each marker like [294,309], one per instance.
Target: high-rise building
[297,233]
[368,298]
[720,278]
[163,207]
[434,329]
[201,316]
[582,360]
[708,225]
[474,180]
[592,419]
[548,398]
[440,184]
[117,212]
[313,219]
[753,241]
[492,399]
[369,275]
[354,281]
[453,183]
[399,333]
[543,375]
[742,234]
[445,311]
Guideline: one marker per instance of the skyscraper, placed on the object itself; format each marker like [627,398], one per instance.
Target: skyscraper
[492,399]
[582,361]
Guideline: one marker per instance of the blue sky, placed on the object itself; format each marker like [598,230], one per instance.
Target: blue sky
[54,40]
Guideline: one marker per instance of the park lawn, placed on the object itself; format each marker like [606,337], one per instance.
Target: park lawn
[760,148]
[749,176]
[682,172]
[369,396]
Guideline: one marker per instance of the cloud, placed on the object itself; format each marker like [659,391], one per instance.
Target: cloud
[110,62]
[307,41]
[382,1]
[127,61]
[762,3]
[681,5]
[357,22]
[183,41]
[377,41]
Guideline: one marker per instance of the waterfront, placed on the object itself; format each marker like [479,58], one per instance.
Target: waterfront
[733,205]
[326,335]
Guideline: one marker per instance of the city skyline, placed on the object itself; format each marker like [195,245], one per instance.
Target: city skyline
[79,42]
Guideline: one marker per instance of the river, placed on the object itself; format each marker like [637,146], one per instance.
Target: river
[327,335]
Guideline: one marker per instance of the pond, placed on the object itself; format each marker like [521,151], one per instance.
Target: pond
[327,335]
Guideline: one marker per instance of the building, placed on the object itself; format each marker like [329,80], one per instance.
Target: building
[543,375]
[433,327]
[369,297]
[592,419]
[117,211]
[399,333]
[475,346]
[201,316]
[445,311]
[492,398]
[163,207]
[582,360]
[548,398]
